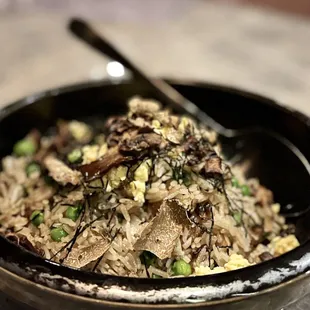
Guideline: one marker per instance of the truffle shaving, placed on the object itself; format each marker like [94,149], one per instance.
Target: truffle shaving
[79,258]
[160,236]
[60,172]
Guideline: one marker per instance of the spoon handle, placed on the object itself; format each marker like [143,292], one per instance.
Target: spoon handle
[164,91]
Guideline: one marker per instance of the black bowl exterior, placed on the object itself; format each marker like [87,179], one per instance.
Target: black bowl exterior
[238,290]
[43,297]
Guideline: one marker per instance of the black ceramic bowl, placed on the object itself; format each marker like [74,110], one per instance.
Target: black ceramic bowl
[45,285]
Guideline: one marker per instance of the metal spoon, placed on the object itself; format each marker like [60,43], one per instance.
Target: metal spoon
[238,144]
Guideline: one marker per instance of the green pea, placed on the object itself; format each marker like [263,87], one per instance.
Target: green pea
[37,218]
[24,147]
[147,258]
[234,182]
[74,156]
[32,167]
[181,268]
[73,212]
[245,190]
[237,215]
[58,233]
[155,276]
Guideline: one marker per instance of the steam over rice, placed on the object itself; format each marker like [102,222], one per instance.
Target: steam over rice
[147,195]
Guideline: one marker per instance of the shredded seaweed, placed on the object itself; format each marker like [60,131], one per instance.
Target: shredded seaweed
[177,149]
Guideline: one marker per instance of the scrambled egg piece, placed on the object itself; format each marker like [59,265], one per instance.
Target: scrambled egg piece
[90,153]
[142,172]
[183,124]
[141,176]
[275,208]
[80,131]
[281,245]
[236,262]
[115,176]
[102,150]
[156,124]
[93,152]
[97,183]
[138,190]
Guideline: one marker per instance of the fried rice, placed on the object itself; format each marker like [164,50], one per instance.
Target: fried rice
[148,194]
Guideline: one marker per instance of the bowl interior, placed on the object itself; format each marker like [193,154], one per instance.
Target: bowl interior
[95,102]
[233,109]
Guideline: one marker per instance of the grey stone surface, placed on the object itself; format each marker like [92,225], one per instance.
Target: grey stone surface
[189,39]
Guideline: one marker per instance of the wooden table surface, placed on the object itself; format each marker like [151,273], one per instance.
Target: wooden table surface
[244,47]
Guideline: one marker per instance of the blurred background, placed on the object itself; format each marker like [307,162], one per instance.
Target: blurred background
[89,6]
[259,45]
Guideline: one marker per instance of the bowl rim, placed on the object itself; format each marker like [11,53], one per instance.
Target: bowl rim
[294,264]
[104,302]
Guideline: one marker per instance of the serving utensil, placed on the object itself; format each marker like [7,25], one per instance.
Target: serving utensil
[270,157]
